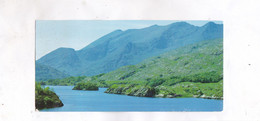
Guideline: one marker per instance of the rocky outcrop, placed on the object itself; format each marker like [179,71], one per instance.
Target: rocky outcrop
[131,90]
[208,97]
[48,101]
[168,96]
[143,92]
[158,91]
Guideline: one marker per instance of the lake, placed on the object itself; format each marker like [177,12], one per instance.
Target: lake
[78,100]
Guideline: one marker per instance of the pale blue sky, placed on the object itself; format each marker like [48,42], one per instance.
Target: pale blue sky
[52,34]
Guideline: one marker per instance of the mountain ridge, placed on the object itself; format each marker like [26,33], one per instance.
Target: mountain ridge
[120,48]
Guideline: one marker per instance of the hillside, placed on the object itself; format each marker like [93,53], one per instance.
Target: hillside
[44,72]
[204,57]
[121,48]
[192,71]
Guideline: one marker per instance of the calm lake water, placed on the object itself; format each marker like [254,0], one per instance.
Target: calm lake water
[75,100]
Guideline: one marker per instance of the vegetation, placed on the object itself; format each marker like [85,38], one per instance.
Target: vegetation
[69,81]
[45,98]
[86,86]
[190,89]
[191,71]
[201,62]
[182,89]
[132,90]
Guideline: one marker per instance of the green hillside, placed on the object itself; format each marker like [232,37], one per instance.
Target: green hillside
[202,62]
[192,71]
[43,73]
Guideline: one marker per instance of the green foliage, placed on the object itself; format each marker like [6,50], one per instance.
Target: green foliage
[86,86]
[45,98]
[155,82]
[191,89]
[69,81]
[127,75]
[109,83]
[132,90]
[206,77]
[181,90]
[200,62]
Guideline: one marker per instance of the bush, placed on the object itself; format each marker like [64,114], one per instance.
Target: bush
[156,82]
[86,86]
[206,77]
[45,98]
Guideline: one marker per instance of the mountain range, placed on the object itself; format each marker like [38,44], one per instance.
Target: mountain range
[120,48]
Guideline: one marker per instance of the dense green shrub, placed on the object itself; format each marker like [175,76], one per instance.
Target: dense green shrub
[155,82]
[86,86]
[45,98]
[206,77]
[69,81]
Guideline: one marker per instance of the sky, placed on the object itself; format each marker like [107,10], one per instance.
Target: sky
[76,34]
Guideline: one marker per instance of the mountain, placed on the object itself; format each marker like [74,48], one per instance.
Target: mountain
[120,48]
[44,72]
[194,70]
[193,60]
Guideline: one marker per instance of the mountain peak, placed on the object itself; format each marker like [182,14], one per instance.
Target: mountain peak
[118,30]
[180,24]
[56,53]
[155,25]
[210,24]
[64,48]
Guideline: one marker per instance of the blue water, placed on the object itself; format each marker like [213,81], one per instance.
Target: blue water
[77,100]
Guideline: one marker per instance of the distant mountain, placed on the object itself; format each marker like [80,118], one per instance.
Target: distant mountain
[44,72]
[120,48]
